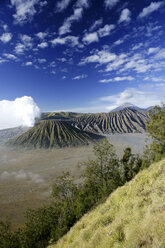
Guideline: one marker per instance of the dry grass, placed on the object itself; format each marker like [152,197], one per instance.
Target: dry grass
[132,217]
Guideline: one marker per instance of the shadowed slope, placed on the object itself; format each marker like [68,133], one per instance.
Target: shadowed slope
[52,133]
[123,121]
[133,216]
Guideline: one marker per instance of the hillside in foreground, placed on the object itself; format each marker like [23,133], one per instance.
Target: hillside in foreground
[133,216]
[52,134]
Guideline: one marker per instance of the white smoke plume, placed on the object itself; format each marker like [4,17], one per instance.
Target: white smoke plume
[20,112]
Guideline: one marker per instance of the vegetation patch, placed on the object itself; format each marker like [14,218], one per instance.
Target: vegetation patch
[133,216]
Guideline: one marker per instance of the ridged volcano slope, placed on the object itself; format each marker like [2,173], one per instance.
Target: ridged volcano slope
[132,217]
[123,121]
[51,134]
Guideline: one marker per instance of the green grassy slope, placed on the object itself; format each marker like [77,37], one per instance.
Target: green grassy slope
[52,134]
[132,217]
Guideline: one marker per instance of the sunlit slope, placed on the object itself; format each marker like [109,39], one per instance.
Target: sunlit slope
[123,121]
[132,217]
[53,133]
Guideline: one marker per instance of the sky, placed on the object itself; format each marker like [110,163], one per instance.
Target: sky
[82,55]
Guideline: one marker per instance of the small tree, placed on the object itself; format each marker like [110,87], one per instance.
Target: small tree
[40,226]
[64,192]
[131,165]
[156,129]
[64,188]
[9,239]
[102,174]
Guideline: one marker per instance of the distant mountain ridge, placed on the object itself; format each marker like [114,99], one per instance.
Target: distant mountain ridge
[130,106]
[53,134]
[127,120]
[74,129]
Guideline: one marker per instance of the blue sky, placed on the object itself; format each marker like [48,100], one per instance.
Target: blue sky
[83,55]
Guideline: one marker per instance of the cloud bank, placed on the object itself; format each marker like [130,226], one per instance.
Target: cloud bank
[20,112]
[22,175]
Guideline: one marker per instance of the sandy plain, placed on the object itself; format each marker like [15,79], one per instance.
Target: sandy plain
[26,176]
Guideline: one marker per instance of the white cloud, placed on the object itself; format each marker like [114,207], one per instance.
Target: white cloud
[125,16]
[20,48]
[105,31]
[102,32]
[6,37]
[161,85]
[29,63]
[10,56]
[118,61]
[43,45]
[62,5]
[90,38]
[118,42]
[44,3]
[52,64]
[59,41]
[101,57]
[53,72]
[137,46]
[151,28]
[26,39]
[96,24]
[160,54]
[25,44]
[25,10]
[69,40]
[20,112]
[41,35]
[135,96]
[22,175]
[139,66]
[2,60]
[75,17]
[82,3]
[152,50]
[155,79]
[138,62]
[117,79]
[41,61]
[80,77]
[66,27]
[5,27]
[111,3]
[151,8]
[62,59]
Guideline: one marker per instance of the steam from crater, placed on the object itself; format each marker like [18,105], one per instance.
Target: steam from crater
[20,112]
